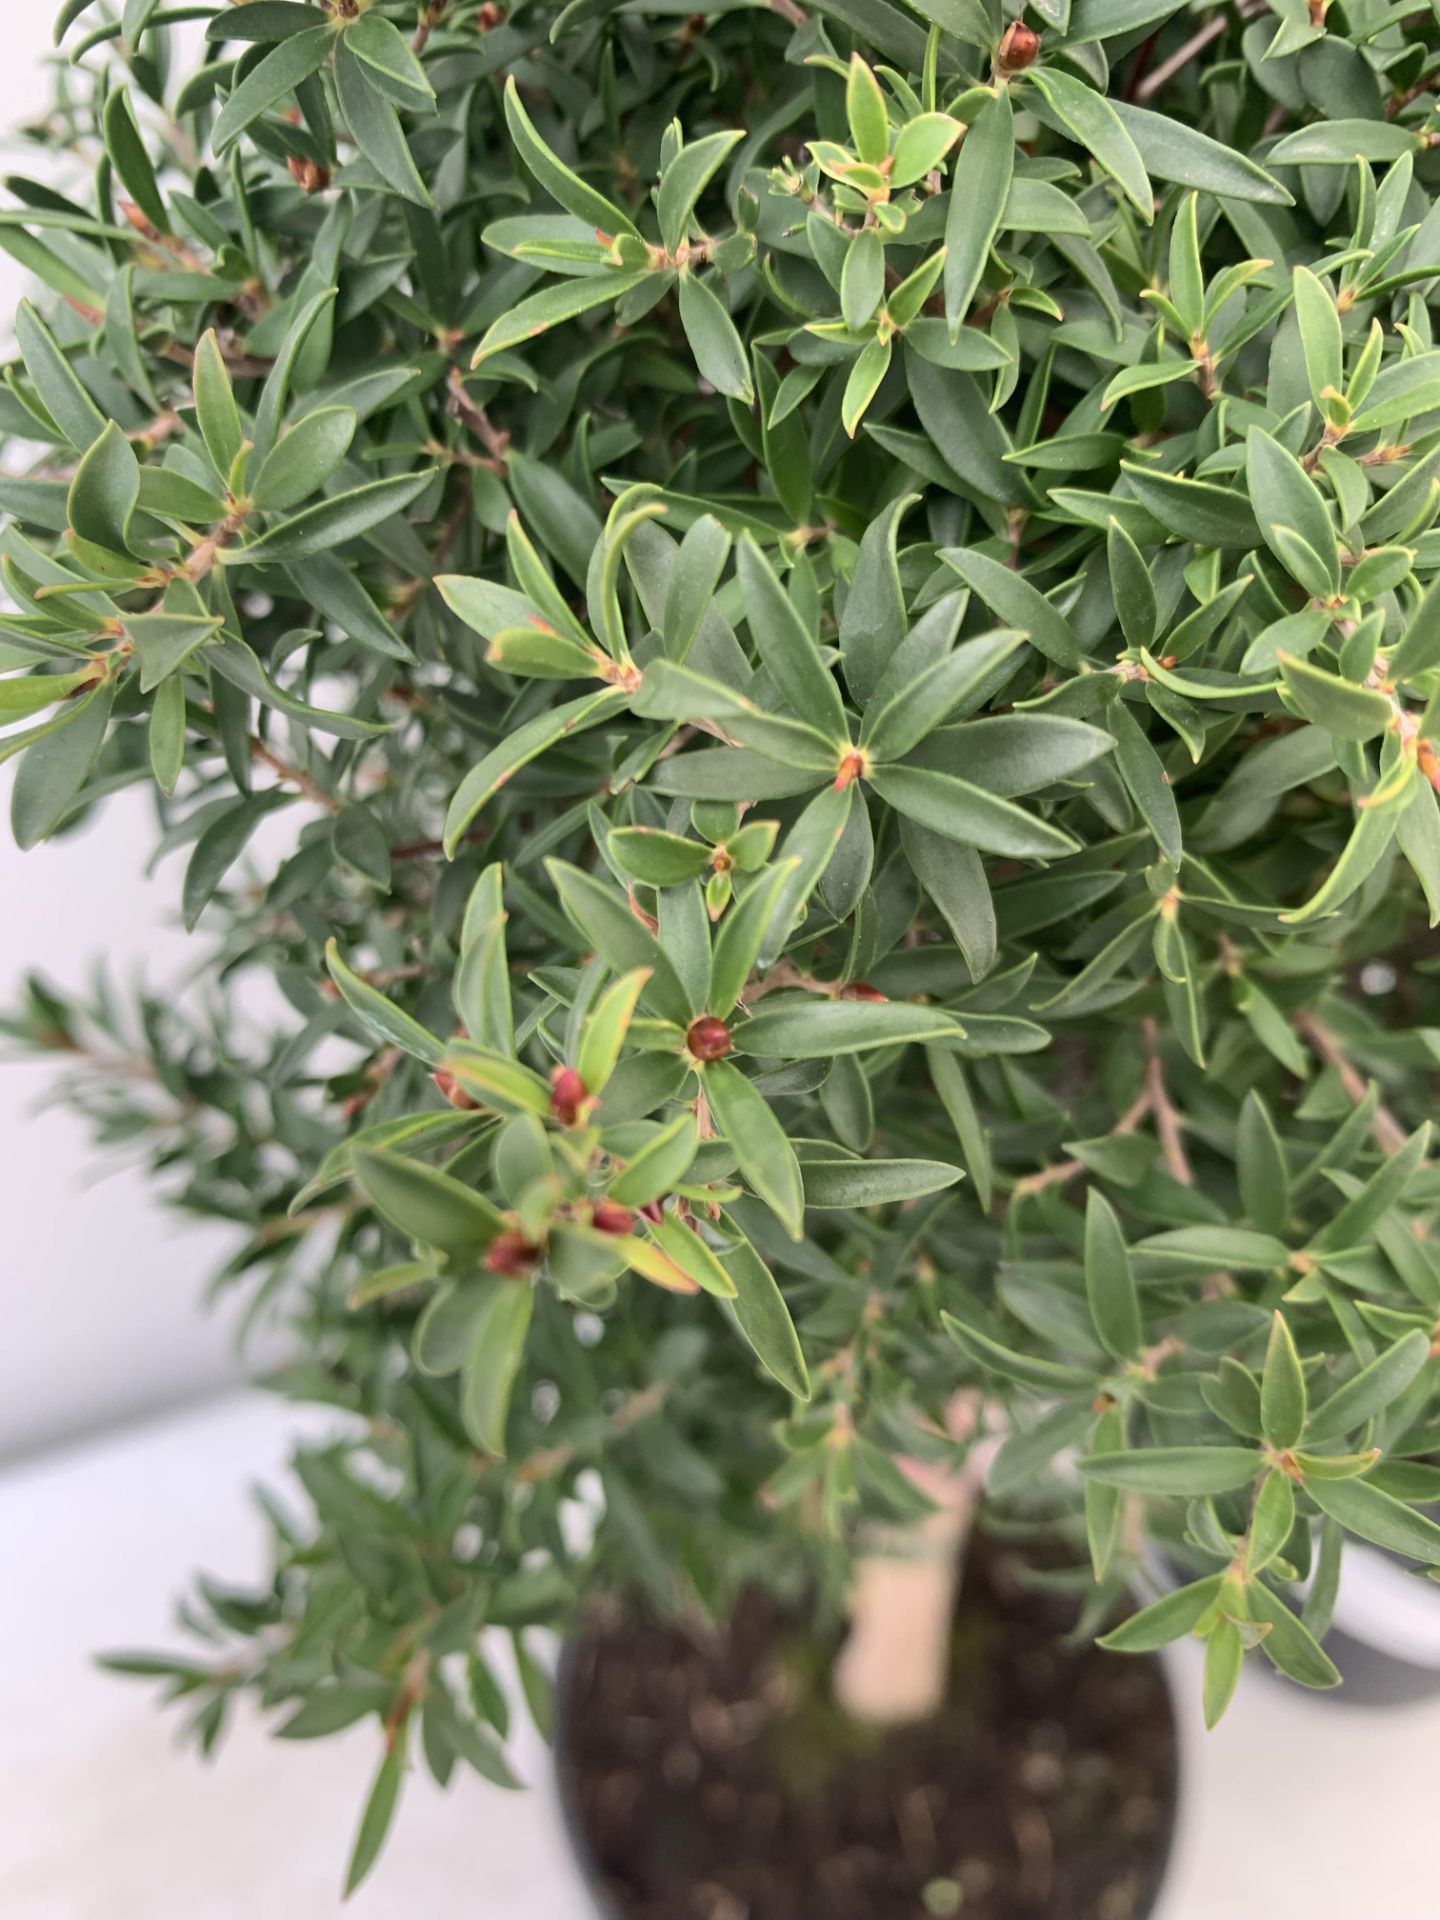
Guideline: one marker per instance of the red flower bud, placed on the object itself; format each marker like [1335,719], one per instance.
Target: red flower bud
[308,175]
[489,16]
[708,1038]
[567,1096]
[608,1216]
[1018,47]
[450,1090]
[511,1255]
[862,990]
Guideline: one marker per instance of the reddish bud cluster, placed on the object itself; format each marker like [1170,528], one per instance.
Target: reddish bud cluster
[1018,47]
[511,1255]
[308,175]
[451,1091]
[708,1038]
[608,1216]
[489,17]
[567,1096]
[862,990]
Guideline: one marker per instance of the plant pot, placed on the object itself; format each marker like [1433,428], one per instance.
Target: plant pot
[1386,1633]
[719,1781]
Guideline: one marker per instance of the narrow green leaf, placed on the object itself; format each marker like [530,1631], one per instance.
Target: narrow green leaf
[1282,1387]
[1109,1282]
[766,1158]
[979,186]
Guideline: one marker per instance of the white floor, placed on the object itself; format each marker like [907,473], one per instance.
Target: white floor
[102,1819]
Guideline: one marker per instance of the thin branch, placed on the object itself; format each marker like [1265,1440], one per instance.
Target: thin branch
[1064,1170]
[293,776]
[1190,49]
[1167,1118]
[1388,1133]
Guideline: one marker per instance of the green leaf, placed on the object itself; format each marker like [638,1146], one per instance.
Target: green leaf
[105,491]
[743,931]
[1340,143]
[605,918]
[379,1812]
[65,399]
[1224,1657]
[1130,587]
[683,1247]
[1195,510]
[1017,603]
[1189,1471]
[1090,119]
[765,1156]
[425,1204]
[215,407]
[1261,1166]
[606,1028]
[1419,648]
[761,1314]
[127,153]
[1358,1219]
[563,186]
[554,304]
[865,111]
[1401,391]
[1172,149]
[31,694]
[784,644]
[1369,1391]
[684,180]
[281,71]
[657,859]
[718,349]
[1288,1645]
[1143,772]
[56,767]
[1378,1517]
[962,812]
[1283,495]
[1169,1618]
[1320,335]
[843,1185]
[1271,1521]
[1023,1368]
[389,1024]
[690,592]
[1109,1282]
[1282,1388]
[166,735]
[488,1377]
[862,279]
[903,721]
[303,459]
[660,1165]
[873,622]
[920,146]
[815,1029]
[330,523]
[1341,708]
[979,185]
[390,64]
[375,125]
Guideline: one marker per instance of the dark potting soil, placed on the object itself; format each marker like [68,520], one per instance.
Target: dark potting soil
[720,1782]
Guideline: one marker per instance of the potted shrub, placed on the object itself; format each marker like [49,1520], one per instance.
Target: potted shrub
[828,612]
